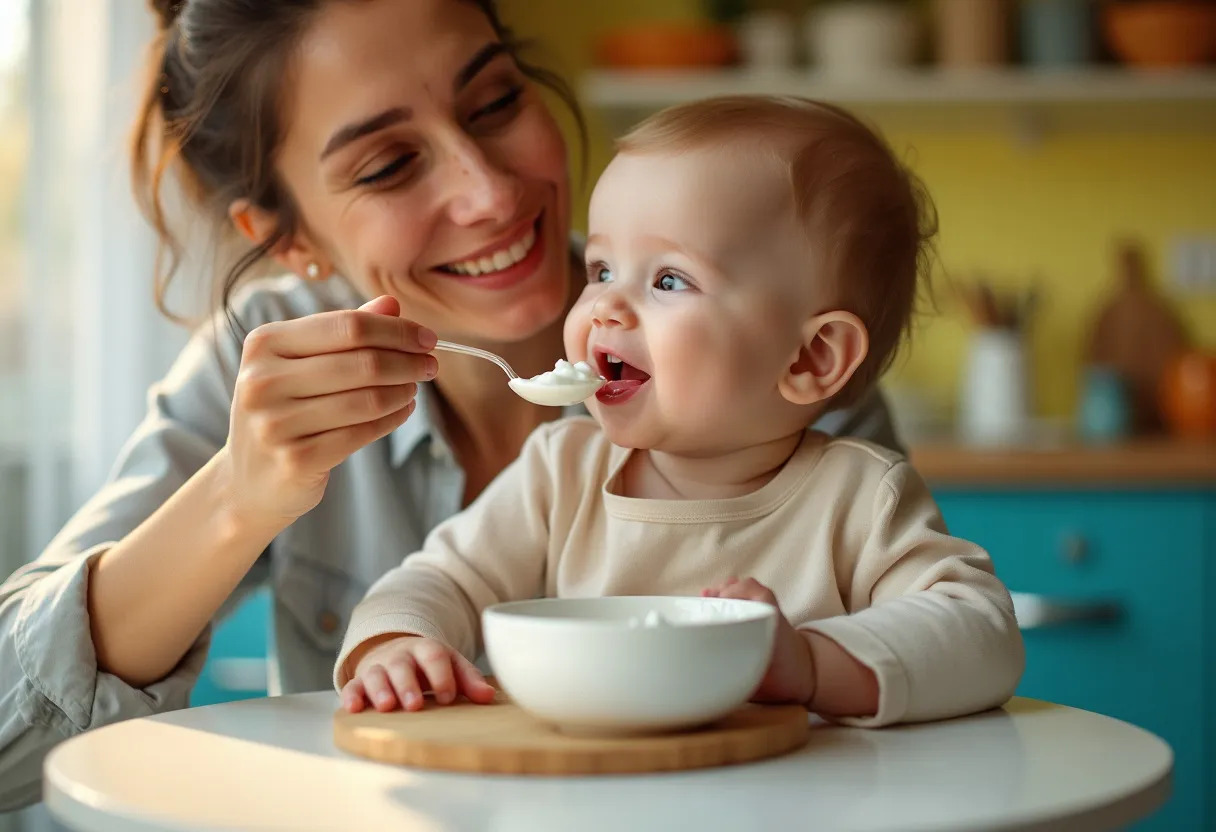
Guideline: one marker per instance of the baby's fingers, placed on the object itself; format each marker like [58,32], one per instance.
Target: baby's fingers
[746,590]
[403,676]
[471,683]
[354,696]
[379,688]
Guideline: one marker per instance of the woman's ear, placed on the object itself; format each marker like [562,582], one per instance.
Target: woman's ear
[834,345]
[296,254]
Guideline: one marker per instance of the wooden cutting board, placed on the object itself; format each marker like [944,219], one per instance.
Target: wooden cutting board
[502,739]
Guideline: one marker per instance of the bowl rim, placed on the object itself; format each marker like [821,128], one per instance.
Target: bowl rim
[755,611]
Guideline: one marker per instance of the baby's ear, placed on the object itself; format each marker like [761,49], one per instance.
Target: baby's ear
[834,345]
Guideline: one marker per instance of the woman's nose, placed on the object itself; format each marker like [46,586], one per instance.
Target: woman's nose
[479,190]
[612,310]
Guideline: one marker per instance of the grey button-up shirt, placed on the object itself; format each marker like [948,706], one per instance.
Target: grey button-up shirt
[379,506]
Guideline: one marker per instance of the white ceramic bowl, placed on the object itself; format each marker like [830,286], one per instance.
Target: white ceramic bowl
[598,666]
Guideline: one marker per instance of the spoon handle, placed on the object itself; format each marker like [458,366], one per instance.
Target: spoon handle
[448,346]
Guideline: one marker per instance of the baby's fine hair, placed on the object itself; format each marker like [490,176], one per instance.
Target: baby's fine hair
[869,220]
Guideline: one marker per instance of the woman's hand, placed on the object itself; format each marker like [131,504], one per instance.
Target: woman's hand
[312,391]
[791,671]
[396,672]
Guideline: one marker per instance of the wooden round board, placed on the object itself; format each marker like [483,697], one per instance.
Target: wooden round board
[503,739]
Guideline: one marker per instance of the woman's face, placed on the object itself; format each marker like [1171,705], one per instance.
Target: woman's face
[425,166]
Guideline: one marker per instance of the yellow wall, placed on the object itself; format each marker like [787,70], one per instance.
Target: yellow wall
[1053,209]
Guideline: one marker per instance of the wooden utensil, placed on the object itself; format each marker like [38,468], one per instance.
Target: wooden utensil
[503,739]
[1137,334]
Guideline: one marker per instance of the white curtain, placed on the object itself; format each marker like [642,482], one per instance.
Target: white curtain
[95,339]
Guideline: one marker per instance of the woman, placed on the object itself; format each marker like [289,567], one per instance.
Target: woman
[403,145]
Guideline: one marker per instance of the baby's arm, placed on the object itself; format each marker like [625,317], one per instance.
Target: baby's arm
[493,551]
[806,668]
[929,618]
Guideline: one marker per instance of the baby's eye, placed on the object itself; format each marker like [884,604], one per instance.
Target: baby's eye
[601,274]
[669,282]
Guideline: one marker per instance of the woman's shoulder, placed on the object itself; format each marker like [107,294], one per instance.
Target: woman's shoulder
[287,296]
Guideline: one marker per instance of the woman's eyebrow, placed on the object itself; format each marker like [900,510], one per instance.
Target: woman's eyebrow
[467,73]
[477,63]
[350,132]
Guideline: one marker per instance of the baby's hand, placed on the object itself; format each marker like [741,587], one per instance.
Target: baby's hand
[398,670]
[791,671]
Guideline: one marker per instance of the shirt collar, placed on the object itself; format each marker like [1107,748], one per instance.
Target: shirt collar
[423,425]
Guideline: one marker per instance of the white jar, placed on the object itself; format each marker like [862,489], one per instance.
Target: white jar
[767,41]
[994,405]
[862,37]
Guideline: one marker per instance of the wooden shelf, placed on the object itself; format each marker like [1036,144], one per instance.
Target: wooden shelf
[1146,463]
[1100,97]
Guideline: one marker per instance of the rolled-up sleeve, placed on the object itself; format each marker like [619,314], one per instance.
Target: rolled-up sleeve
[50,686]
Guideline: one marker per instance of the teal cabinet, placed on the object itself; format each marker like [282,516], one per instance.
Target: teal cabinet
[1122,583]
[237,662]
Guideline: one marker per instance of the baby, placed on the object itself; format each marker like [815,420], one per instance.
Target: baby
[752,262]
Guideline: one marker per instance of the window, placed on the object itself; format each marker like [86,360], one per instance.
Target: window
[14,159]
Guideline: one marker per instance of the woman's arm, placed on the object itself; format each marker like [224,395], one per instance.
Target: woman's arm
[110,621]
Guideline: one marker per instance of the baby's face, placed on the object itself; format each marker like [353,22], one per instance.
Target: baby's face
[698,281]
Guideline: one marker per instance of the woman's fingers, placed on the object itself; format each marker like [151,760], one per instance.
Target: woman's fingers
[325,450]
[309,417]
[274,380]
[338,331]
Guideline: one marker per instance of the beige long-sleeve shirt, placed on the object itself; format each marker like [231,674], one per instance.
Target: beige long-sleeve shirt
[846,535]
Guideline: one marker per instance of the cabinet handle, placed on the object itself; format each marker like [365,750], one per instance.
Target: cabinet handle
[1075,549]
[1038,611]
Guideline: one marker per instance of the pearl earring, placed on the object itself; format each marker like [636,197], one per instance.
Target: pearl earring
[313,271]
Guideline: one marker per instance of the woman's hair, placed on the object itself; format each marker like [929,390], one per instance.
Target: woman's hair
[869,219]
[212,115]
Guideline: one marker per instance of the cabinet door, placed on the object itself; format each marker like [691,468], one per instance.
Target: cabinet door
[1143,553]
[237,663]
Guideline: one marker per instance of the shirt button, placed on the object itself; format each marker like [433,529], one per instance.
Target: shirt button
[327,621]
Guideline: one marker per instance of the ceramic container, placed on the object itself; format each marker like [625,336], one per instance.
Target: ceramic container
[597,666]
[861,37]
[1105,412]
[1188,395]
[1161,33]
[971,33]
[995,404]
[766,41]
[1057,33]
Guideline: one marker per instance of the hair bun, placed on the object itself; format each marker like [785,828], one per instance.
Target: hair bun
[167,11]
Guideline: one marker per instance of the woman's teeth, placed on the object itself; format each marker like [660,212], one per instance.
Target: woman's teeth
[499,260]
[614,359]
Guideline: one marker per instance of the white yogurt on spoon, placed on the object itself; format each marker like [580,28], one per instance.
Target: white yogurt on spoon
[565,384]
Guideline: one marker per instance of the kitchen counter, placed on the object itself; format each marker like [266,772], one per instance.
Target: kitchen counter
[1142,463]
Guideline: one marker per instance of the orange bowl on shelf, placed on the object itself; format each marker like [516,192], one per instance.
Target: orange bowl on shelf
[667,46]
[1161,33]
[1188,395]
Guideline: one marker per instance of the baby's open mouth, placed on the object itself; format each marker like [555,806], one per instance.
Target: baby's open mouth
[624,379]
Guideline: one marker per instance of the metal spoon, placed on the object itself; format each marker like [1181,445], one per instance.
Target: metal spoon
[537,392]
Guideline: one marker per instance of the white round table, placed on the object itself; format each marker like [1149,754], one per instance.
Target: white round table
[270,764]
